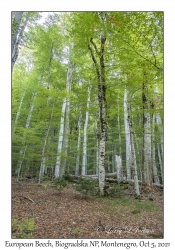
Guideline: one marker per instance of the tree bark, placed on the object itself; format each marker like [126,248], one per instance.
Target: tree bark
[134,164]
[78,146]
[16,30]
[100,71]
[147,170]
[119,168]
[42,167]
[60,140]
[66,126]
[127,135]
[84,160]
[155,174]
[18,112]
[24,147]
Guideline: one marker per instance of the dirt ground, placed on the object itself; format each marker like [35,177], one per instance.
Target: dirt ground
[69,215]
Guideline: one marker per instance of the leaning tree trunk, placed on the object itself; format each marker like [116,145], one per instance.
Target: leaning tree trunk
[146,160]
[24,147]
[98,55]
[84,160]
[18,112]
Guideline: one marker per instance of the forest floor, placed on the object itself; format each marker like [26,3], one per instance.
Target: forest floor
[67,214]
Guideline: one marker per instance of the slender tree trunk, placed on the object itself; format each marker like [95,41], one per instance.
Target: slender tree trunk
[100,71]
[65,140]
[159,122]
[119,134]
[160,162]
[42,167]
[97,155]
[60,140]
[147,170]
[18,113]
[134,164]
[66,127]
[127,134]
[24,147]
[78,146]
[84,159]
[155,174]
[16,30]
[119,168]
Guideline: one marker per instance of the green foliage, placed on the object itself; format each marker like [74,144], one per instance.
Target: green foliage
[60,183]
[68,178]
[42,68]
[23,228]
[117,190]
[86,186]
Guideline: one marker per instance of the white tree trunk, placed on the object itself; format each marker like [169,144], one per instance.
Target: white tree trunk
[42,167]
[84,159]
[98,60]
[18,113]
[159,122]
[23,150]
[60,140]
[17,33]
[127,134]
[65,139]
[119,168]
[97,156]
[134,164]
[160,162]
[78,146]
[147,170]
[155,175]
[102,149]
[66,127]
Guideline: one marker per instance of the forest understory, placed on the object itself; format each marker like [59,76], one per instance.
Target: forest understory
[69,214]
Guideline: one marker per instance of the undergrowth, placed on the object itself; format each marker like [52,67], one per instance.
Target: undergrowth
[114,204]
[23,228]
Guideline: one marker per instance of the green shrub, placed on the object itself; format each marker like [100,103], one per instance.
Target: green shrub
[86,186]
[68,178]
[116,191]
[60,183]
[23,228]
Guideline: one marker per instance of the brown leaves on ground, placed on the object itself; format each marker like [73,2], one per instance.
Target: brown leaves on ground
[68,215]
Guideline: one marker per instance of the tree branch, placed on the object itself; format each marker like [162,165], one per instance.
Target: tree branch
[95,47]
[95,62]
[159,68]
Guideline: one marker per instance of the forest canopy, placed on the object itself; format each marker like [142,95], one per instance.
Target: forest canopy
[87,95]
